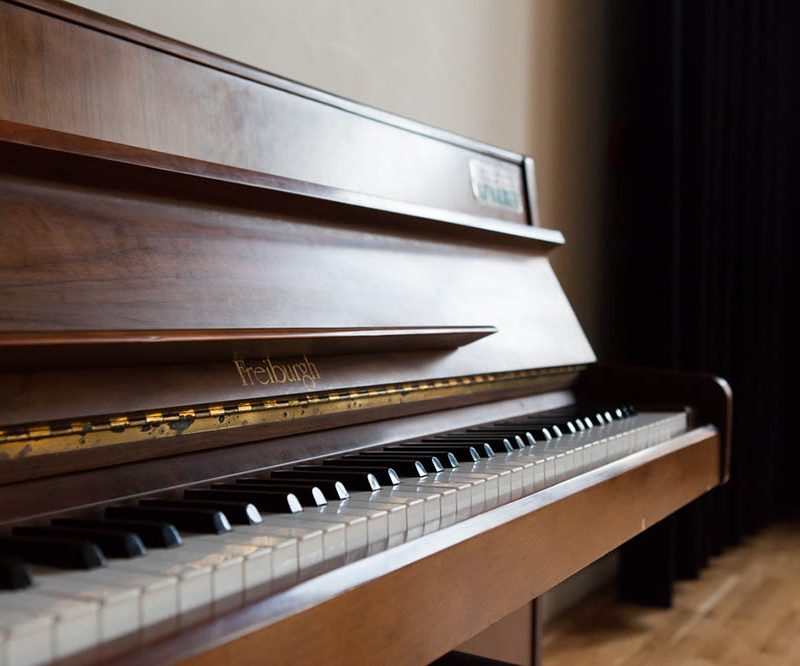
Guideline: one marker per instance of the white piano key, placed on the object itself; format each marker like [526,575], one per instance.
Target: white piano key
[467,472]
[76,623]
[464,491]
[194,586]
[225,560]
[448,491]
[257,552]
[413,509]
[469,494]
[355,528]
[309,540]
[120,607]
[395,512]
[25,639]
[451,494]
[431,504]
[377,522]
[511,481]
[538,474]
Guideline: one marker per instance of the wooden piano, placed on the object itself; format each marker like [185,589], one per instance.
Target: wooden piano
[319,344]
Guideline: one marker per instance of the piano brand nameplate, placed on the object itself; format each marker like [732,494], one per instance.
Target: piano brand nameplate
[496,185]
[265,371]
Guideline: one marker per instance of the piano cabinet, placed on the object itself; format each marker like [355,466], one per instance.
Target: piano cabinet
[210,276]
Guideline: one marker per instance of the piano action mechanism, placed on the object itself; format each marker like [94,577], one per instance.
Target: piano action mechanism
[221,290]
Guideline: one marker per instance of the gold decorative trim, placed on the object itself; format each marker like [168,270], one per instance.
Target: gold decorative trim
[49,438]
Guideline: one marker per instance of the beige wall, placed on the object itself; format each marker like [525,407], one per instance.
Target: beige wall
[523,74]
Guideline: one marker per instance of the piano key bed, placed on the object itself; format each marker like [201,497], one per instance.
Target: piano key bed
[146,569]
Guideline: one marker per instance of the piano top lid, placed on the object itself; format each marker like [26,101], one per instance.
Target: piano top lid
[147,91]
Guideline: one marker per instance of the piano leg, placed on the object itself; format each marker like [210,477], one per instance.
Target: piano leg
[647,566]
[514,639]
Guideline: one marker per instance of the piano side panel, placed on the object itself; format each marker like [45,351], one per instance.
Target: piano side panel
[57,74]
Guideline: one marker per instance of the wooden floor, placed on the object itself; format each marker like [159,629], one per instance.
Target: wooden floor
[745,609]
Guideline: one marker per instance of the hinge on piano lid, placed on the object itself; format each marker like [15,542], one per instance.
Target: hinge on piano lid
[20,442]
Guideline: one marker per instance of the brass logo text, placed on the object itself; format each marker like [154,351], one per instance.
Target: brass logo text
[264,371]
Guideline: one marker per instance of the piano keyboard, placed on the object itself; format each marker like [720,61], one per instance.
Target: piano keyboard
[160,564]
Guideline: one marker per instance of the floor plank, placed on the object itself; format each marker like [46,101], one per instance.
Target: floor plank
[744,609]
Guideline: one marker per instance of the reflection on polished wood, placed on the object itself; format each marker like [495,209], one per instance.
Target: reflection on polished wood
[745,609]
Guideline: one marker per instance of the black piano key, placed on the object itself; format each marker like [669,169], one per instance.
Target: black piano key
[540,435]
[385,475]
[153,534]
[202,521]
[509,429]
[353,480]
[497,443]
[468,454]
[273,501]
[565,422]
[333,490]
[237,513]
[113,544]
[14,574]
[307,495]
[556,428]
[413,468]
[517,437]
[428,461]
[483,449]
[53,552]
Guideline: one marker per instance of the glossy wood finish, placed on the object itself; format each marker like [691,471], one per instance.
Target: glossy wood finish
[709,397]
[164,99]
[99,246]
[19,142]
[106,24]
[391,608]
[141,347]
[200,220]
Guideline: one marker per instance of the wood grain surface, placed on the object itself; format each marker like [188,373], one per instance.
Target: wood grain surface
[99,84]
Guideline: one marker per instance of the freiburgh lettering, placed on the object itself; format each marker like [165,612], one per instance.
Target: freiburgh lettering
[267,372]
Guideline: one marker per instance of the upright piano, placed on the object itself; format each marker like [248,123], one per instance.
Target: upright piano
[286,379]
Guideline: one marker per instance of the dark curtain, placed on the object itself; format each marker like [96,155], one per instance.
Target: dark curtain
[703,163]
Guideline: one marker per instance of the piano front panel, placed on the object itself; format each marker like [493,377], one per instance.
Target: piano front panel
[94,248]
